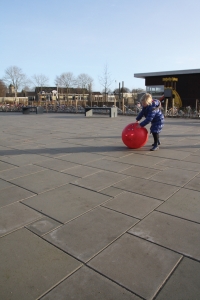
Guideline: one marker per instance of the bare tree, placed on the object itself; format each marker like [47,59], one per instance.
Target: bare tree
[90,93]
[122,90]
[105,80]
[84,82]
[15,76]
[40,80]
[27,88]
[3,88]
[66,80]
[58,82]
[138,90]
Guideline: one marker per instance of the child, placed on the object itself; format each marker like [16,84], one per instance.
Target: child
[152,113]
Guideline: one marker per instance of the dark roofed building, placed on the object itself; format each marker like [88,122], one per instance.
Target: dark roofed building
[31,95]
[187,84]
[63,90]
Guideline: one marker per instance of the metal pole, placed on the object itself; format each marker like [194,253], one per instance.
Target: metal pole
[119,97]
[166,105]
[122,89]
[172,106]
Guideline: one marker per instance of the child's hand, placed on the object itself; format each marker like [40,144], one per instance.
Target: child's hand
[138,126]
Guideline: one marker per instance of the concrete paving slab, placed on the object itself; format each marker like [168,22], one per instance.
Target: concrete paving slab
[13,194]
[56,164]
[85,284]
[140,160]
[138,265]
[184,282]
[169,152]
[191,139]
[12,152]
[43,181]
[58,144]
[15,216]
[54,136]
[50,153]
[171,140]
[91,142]
[178,177]
[70,137]
[188,145]
[67,149]
[8,141]
[81,171]
[118,152]
[108,165]
[100,180]
[171,232]
[43,226]
[47,139]
[111,191]
[4,184]
[180,164]
[26,147]
[139,171]
[23,159]
[31,266]
[132,204]
[160,191]
[5,166]
[81,158]
[193,158]
[3,150]
[198,152]
[184,204]
[66,202]
[85,236]
[194,184]
[20,172]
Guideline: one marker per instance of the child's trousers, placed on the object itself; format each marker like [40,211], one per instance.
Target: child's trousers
[156,138]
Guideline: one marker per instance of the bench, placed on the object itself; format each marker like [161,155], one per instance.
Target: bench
[36,109]
[112,111]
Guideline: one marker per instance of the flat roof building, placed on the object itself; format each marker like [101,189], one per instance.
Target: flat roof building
[187,83]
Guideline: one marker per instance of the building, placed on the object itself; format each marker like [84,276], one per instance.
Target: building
[185,83]
[69,96]
[20,95]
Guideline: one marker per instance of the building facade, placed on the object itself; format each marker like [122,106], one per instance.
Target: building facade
[187,84]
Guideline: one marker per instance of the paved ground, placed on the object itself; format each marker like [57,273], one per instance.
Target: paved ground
[84,217]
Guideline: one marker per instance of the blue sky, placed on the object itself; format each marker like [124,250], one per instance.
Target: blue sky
[131,36]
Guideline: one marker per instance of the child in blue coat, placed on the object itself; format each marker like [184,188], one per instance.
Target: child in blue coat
[151,110]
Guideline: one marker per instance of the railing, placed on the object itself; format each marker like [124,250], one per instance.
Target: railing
[186,112]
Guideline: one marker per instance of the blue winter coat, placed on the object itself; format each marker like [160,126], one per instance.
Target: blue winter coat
[153,114]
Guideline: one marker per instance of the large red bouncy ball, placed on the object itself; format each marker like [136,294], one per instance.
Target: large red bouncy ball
[134,137]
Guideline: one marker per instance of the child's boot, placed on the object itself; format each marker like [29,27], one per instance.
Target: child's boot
[155,147]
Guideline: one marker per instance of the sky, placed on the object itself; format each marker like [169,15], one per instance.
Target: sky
[51,37]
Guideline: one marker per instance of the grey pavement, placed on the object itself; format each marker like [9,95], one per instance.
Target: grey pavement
[83,217]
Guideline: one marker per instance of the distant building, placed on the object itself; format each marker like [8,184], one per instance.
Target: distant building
[187,84]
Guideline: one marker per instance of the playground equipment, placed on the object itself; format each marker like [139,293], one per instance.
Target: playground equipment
[170,92]
[133,136]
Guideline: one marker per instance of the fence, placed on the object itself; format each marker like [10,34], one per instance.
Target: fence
[74,107]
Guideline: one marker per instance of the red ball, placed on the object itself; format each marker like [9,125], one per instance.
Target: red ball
[134,137]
